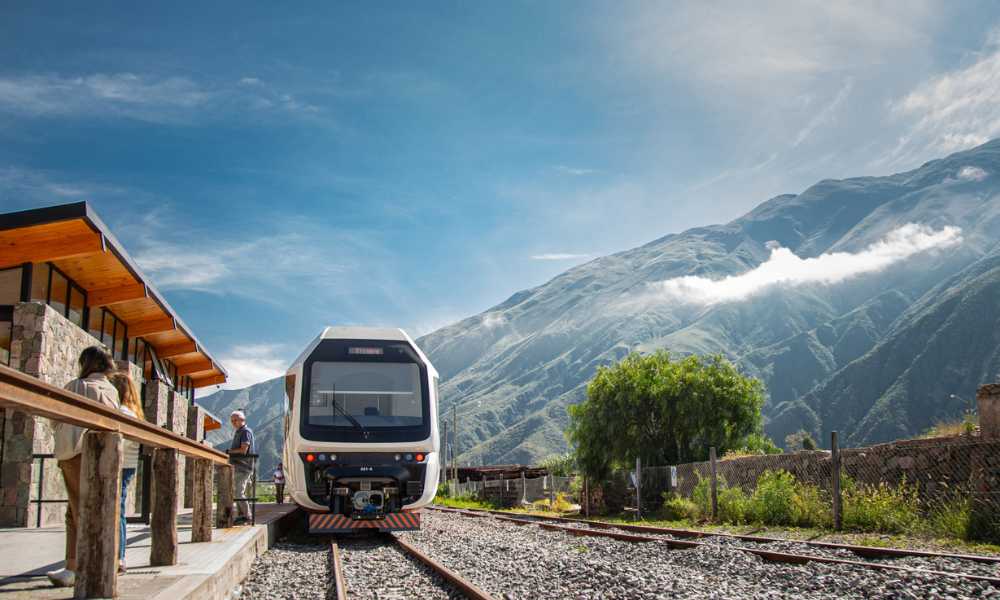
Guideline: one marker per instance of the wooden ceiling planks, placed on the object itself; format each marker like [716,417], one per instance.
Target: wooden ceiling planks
[75,240]
[48,242]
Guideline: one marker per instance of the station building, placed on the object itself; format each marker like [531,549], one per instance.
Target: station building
[67,283]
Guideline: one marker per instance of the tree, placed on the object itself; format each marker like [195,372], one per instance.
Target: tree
[800,440]
[663,410]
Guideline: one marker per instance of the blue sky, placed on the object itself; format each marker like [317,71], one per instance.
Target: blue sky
[277,170]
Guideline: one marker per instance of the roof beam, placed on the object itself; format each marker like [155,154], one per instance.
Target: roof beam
[176,349]
[210,380]
[15,253]
[195,367]
[109,296]
[141,328]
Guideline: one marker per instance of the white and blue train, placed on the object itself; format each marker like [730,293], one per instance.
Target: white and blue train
[361,430]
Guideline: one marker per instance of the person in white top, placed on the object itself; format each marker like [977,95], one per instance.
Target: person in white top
[131,405]
[95,365]
[279,483]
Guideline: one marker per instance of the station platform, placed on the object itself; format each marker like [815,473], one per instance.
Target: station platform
[204,571]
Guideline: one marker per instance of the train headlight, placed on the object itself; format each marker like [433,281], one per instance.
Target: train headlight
[409,457]
[398,457]
[322,457]
[333,457]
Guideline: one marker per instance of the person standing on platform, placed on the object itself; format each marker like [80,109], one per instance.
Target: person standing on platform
[240,455]
[128,393]
[279,483]
[95,365]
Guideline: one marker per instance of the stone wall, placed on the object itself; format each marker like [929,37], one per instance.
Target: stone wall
[46,345]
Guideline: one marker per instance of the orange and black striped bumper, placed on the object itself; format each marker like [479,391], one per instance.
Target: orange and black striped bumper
[327,523]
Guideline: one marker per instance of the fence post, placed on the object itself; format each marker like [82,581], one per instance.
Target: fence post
[201,499]
[835,482]
[638,488]
[586,497]
[524,488]
[715,484]
[163,524]
[552,492]
[224,502]
[98,521]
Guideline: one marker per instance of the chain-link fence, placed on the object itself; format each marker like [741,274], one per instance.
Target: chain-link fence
[513,491]
[944,483]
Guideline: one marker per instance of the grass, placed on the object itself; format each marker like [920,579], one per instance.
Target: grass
[964,426]
[465,502]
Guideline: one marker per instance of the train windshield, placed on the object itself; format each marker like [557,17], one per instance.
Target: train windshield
[365,395]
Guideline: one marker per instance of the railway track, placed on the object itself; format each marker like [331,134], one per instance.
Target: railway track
[402,571]
[811,552]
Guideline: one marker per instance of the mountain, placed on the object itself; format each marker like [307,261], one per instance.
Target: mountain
[875,356]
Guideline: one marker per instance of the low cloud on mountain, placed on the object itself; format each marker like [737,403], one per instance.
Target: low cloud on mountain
[785,269]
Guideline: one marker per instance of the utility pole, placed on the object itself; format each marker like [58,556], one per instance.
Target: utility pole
[454,436]
[444,452]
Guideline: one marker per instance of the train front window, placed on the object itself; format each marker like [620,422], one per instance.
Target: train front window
[369,395]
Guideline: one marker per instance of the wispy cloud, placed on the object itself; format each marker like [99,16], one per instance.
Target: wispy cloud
[125,94]
[253,363]
[972,174]
[559,256]
[574,171]
[144,97]
[42,186]
[785,269]
[951,111]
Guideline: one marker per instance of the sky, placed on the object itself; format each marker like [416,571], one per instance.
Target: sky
[277,170]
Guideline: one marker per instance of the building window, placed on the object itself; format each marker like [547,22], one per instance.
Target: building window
[58,291]
[10,286]
[6,327]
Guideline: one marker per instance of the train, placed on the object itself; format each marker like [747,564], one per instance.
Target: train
[361,431]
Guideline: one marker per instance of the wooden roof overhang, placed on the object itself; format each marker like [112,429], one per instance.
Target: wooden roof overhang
[78,243]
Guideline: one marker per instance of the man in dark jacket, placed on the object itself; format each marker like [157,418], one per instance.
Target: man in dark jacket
[243,464]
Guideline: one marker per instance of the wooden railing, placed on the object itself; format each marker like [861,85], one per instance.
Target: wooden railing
[100,479]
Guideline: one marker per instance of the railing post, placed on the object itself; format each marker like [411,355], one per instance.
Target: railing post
[163,550]
[715,484]
[835,481]
[224,504]
[98,521]
[201,501]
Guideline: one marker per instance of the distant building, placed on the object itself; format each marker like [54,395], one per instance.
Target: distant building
[66,283]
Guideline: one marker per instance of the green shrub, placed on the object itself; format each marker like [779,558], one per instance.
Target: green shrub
[882,508]
[773,502]
[811,507]
[701,495]
[676,508]
[951,518]
[734,505]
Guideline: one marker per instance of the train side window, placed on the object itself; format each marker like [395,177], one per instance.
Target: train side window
[290,389]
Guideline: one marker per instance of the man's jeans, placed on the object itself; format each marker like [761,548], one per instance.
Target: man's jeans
[242,481]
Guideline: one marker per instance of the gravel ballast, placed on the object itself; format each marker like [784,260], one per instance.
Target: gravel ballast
[511,561]
[378,569]
[288,571]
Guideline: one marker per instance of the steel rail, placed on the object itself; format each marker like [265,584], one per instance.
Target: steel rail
[864,551]
[769,555]
[337,585]
[467,588]
[35,397]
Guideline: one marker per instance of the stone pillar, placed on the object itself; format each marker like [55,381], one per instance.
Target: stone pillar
[988,398]
[46,345]
[195,431]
